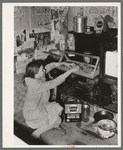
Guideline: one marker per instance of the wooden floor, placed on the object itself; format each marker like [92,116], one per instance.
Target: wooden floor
[76,135]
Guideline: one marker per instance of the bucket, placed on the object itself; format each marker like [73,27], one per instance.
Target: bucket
[80,24]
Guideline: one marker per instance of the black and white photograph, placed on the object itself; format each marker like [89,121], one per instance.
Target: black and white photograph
[64,86]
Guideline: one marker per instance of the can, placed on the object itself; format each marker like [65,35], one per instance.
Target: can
[80,24]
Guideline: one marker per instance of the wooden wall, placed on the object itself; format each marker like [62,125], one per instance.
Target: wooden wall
[91,13]
[27,18]
[21,19]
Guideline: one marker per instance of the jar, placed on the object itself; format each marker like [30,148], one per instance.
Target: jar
[85,112]
[87,59]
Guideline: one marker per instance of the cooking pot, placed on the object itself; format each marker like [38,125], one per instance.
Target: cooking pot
[80,24]
[103,114]
[106,128]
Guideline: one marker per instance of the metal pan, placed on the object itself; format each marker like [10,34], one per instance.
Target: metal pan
[103,114]
[58,54]
[114,125]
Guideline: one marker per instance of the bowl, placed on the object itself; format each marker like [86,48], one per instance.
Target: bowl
[106,128]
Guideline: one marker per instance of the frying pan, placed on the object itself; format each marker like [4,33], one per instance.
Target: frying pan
[103,114]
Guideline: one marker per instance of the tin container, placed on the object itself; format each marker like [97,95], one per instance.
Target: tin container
[80,24]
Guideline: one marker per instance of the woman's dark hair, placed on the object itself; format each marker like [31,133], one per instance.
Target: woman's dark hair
[32,69]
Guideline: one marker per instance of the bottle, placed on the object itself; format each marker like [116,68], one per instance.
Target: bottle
[85,112]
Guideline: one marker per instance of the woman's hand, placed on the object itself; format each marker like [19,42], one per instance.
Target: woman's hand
[69,65]
[75,68]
